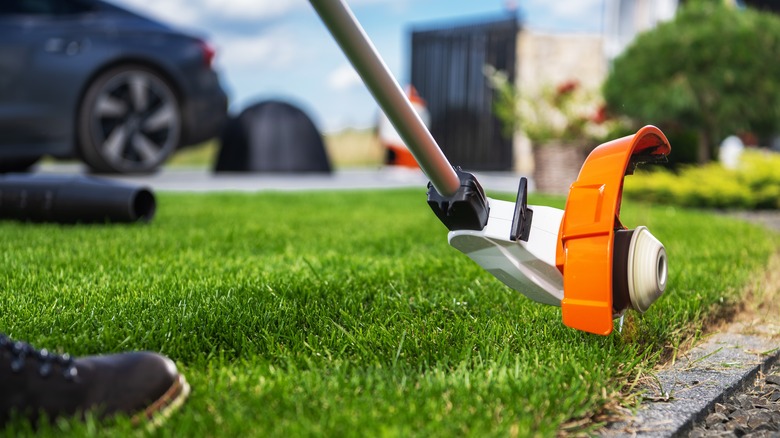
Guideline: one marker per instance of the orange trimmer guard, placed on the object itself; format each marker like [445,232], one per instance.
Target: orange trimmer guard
[586,237]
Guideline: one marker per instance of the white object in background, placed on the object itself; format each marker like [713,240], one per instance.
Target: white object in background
[625,19]
[391,139]
[730,152]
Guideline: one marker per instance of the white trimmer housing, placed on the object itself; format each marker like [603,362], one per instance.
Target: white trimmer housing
[527,267]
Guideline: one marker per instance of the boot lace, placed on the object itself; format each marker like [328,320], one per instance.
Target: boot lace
[20,352]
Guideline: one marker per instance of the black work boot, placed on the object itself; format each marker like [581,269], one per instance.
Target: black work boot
[143,385]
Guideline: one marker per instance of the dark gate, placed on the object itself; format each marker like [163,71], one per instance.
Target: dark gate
[447,71]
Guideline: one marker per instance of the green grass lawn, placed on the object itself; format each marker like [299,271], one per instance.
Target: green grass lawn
[347,314]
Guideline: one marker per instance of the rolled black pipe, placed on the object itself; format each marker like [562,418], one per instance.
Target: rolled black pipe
[73,199]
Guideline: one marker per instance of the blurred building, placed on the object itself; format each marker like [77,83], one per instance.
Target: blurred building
[447,67]
[448,62]
[552,59]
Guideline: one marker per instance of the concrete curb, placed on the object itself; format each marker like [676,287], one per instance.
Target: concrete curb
[723,365]
[684,393]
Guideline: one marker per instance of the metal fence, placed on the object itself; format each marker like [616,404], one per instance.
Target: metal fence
[447,71]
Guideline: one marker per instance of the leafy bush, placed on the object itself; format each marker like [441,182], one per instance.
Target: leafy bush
[755,184]
[566,112]
[712,69]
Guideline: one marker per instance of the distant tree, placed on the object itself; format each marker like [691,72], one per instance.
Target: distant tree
[714,68]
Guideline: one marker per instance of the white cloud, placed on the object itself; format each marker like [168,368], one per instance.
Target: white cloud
[344,78]
[564,14]
[572,8]
[196,13]
[178,12]
[252,9]
[276,48]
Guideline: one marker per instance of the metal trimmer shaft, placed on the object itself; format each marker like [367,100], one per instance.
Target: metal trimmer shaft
[366,60]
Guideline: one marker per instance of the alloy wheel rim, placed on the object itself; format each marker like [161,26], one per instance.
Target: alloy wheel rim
[135,121]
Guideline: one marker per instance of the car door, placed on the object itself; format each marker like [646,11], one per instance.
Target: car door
[39,41]
[16,42]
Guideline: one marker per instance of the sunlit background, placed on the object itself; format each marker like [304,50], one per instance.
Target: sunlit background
[280,49]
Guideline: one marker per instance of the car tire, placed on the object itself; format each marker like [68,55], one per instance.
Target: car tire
[129,121]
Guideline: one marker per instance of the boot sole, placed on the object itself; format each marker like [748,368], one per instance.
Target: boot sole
[159,411]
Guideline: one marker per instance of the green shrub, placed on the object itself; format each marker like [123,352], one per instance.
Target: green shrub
[755,184]
[712,69]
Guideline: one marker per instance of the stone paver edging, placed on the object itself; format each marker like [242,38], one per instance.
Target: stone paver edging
[684,393]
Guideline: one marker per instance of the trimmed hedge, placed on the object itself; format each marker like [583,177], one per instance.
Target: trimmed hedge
[755,184]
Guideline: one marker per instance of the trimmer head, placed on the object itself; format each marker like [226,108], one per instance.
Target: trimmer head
[581,258]
[587,256]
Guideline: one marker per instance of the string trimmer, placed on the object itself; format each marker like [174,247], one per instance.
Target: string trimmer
[581,258]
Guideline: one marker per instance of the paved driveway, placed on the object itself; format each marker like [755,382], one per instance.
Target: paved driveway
[203,180]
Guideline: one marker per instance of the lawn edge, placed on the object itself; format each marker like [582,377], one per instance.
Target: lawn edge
[680,393]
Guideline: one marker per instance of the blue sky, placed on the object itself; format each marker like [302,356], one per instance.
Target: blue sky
[280,49]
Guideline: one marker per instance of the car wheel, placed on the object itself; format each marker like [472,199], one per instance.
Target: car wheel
[8,165]
[129,121]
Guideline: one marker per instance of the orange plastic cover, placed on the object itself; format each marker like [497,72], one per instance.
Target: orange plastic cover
[402,157]
[586,236]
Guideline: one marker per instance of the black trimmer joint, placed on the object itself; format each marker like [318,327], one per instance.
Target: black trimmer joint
[467,209]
